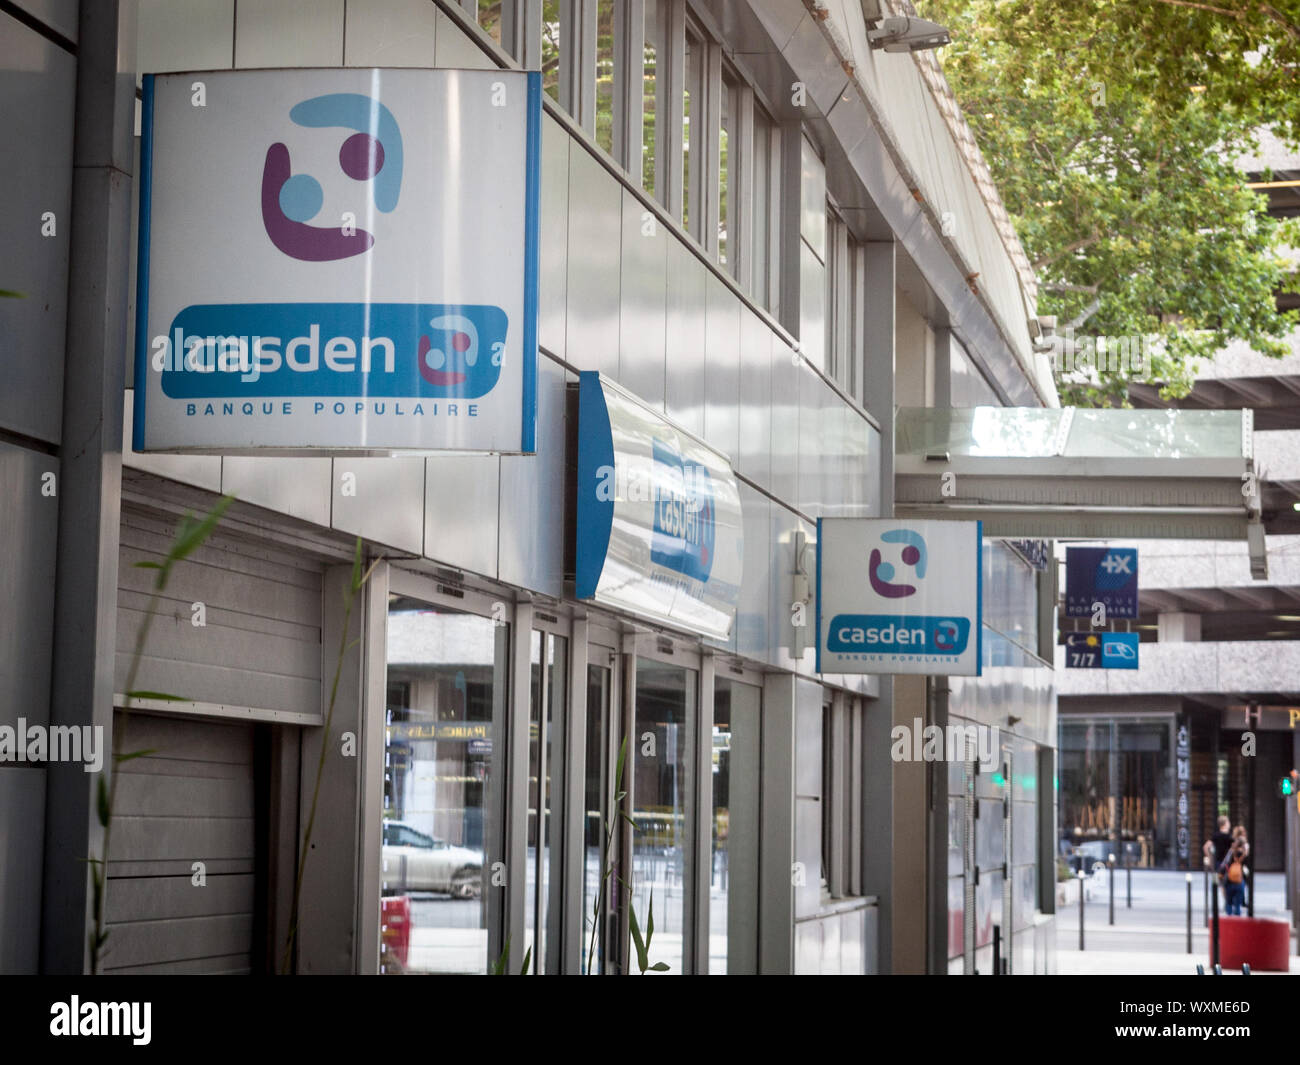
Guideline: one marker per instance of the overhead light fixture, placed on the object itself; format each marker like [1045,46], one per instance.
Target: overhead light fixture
[902,33]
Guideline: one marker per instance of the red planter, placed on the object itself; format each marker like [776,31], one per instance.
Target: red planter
[1260,942]
[395,919]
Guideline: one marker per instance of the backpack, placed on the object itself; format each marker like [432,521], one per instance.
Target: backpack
[1235,872]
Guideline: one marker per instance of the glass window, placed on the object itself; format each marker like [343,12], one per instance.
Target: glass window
[660,753]
[489,17]
[595,827]
[551,36]
[652,95]
[693,118]
[605,74]
[447,689]
[765,241]
[728,167]
[549,657]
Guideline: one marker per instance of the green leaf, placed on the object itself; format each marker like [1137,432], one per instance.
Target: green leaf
[120,758]
[659,967]
[641,960]
[160,696]
[192,532]
[356,567]
[101,801]
[528,958]
[148,565]
[650,921]
[10,294]
[499,966]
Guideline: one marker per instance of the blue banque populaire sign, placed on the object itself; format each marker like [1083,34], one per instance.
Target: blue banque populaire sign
[1106,575]
[659,528]
[308,281]
[896,596]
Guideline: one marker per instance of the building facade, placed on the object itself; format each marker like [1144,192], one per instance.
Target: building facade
[770,234]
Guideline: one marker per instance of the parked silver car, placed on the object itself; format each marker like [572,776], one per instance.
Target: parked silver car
[416,861]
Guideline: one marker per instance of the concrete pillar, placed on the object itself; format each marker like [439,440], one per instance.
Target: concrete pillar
[1179,627]
[90,488]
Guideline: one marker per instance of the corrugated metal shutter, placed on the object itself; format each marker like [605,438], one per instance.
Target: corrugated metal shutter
[193,800]
[259,645]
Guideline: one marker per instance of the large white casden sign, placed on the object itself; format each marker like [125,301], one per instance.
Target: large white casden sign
[342,259]
[899,596]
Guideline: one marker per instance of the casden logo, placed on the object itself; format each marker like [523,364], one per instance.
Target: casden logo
[685,529]
[373,153]
[898,634]
[881,573]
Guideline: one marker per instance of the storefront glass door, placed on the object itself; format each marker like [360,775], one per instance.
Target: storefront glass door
[548,703]
[445,711]
[660,752]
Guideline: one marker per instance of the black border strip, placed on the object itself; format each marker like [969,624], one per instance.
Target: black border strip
[33,23]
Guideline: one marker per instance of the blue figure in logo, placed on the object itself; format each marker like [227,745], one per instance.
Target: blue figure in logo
[881,574]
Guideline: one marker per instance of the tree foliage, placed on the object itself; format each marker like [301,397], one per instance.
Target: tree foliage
[1113,129]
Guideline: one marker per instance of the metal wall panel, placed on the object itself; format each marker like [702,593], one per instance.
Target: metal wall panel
[809,795]
[259,645]
[787,369]
[813,458]
[185,35]
[390,33]
[28,530]
[203,471]
[59,15]
[752,626]
[595,229]
[289,33]
[553,282]
[644,295]
[383,500]
[754,453]
[38,84]
[455,49]
[299,487]
[685,341]
[722,368]
[532,509]
[22,815]
[460,511]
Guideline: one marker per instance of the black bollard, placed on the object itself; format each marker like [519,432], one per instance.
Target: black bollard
[997,950]
[1189,913]
[1128,877]
[1110,879]
[1214,928]
[1081,909]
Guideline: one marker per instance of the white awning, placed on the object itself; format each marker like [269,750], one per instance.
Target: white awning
[1088,474]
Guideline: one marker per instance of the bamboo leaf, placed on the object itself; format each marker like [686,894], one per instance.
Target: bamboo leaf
[147,565]
[160,696]
[356,567]
[499,966]
[10,294]
[101,801]
[528,957]
[659,967]
[650,921]
[119,758]
[641,959]
[192,532]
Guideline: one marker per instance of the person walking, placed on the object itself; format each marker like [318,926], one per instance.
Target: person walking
[1233,875]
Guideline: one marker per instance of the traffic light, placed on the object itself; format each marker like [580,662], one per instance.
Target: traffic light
[1288,785]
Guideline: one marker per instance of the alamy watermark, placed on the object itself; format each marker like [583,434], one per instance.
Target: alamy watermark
[920,742]
[53,743]
[1129,355]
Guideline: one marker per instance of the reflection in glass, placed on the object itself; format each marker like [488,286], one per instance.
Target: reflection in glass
[594,828]
[548,656]
[446,689]
[733,868]
[660,753]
